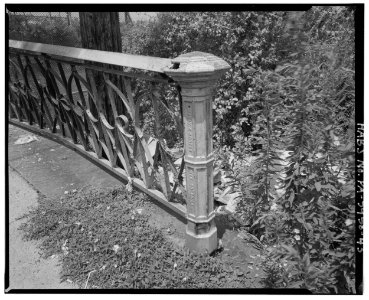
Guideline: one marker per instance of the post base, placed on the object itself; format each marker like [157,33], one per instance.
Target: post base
[202,243]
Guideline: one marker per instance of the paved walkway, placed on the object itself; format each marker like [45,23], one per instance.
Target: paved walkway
[27,269]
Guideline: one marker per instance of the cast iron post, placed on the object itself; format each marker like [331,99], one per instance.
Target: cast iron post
[197,74]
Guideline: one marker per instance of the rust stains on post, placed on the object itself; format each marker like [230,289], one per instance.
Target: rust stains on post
[197,73]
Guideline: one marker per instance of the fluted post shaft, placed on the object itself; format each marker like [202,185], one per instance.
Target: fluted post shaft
[197,74]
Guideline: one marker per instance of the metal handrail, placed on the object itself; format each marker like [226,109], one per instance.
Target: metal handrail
[149,63]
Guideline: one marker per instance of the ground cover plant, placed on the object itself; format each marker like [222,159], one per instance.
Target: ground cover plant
[104,241]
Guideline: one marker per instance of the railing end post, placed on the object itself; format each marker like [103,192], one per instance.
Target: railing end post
[197,73]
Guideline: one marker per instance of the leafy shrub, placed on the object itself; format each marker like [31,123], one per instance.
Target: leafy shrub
[233,36]
[313,221]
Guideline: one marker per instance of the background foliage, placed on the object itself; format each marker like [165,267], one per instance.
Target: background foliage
[43,29]
[284,130]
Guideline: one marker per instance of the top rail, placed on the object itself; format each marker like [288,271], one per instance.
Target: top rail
[148,63]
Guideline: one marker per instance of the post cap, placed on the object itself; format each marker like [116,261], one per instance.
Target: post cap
[204,64]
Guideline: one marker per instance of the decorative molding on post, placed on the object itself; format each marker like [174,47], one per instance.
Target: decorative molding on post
[197,74]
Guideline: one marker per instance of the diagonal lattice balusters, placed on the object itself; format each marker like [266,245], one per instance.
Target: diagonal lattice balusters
[90,122]
[122,125]
[44,111]
[154,165]
[130,147]
[101,126]
[61,104]
[52,96]
[64,110]
[14,91]
[72,109]
[167,163]
[122,139]
[24,102]
[28,98]
[17,92]
[40,78]
[36,95]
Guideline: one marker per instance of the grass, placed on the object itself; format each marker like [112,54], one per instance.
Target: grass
[105,241]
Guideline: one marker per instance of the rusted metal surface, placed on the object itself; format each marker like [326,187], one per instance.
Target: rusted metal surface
[155,64]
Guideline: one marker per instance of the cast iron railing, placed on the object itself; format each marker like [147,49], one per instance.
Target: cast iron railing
[115,109]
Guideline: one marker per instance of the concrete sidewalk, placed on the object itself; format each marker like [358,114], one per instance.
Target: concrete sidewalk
[52,170]
[41,167]
[27,269]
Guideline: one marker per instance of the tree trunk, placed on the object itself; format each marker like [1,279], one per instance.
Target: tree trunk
[101,31]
